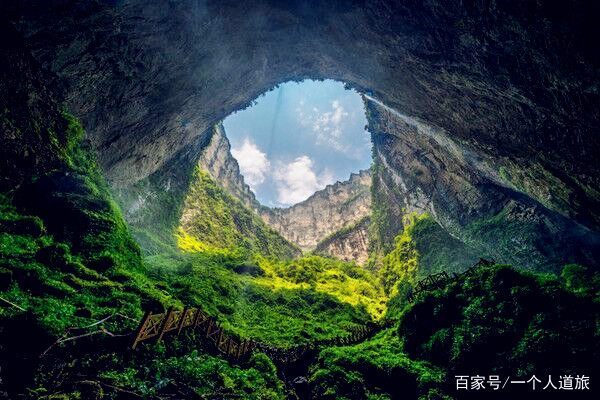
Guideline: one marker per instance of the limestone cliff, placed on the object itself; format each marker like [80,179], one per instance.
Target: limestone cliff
[423,168]
[335,217]
[513,82]
[351,243]
[325,212]
[216,159]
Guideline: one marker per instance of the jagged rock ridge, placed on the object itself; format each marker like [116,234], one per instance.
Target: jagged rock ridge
[337,214]
[217,160]
[325,212]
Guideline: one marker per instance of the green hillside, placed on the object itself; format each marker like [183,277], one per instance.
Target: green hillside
[214,219]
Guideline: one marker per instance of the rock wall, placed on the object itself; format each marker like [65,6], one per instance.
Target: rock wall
[422,168]
[217,160]
[514,81]
[350,243]
[325,212]
[333,221]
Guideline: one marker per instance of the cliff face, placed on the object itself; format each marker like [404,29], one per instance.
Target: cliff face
[350,243]
[512,82]
[337,214]
[217,160]
[512,78]
[423,168]
[325,212]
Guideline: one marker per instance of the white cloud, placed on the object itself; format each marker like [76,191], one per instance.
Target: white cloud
[297,181]
[326,126]
[253,163]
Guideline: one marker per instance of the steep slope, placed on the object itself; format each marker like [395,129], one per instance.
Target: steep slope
[217,160]
[325,212]
[150,78]
[333,221]
[426,169]
[213,219]
[350,243]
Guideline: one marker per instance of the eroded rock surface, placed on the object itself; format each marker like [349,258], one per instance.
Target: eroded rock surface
[350,243]
[333,221]
[513,81]
[325,212]
[422,168]
[217,160]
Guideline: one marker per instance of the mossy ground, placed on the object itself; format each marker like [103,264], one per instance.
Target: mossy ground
[496,320]
[68,259]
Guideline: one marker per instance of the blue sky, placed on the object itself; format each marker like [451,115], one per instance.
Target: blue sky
[298,138]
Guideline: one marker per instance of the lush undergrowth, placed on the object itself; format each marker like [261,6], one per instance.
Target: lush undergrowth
[495,321]
[67,261]
[58,292]
[252,305]
[345,281]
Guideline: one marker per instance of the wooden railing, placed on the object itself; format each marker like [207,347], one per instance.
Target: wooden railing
[156,326]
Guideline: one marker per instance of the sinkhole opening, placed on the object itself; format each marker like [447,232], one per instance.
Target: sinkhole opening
[299,137]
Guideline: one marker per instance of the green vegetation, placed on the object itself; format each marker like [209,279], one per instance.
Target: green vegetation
[401,264]
[500,232]
[375,369]
[68,260]
[250,303]
[497,319]
[342,233]
[437,250]
[213,219]
[202,375]
[382,227]
[345,281]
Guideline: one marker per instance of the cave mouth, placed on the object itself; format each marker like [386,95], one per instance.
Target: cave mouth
[299,137]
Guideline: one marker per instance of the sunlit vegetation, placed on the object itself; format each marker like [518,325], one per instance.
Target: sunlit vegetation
[400,264]
[346,281]
[215,219]
[232,288]
[496,319]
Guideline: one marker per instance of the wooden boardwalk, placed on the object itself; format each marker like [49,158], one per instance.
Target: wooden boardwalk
[154,326]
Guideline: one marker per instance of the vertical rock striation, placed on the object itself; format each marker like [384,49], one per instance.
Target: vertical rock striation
[216,159]
[424,168]
[337,206]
